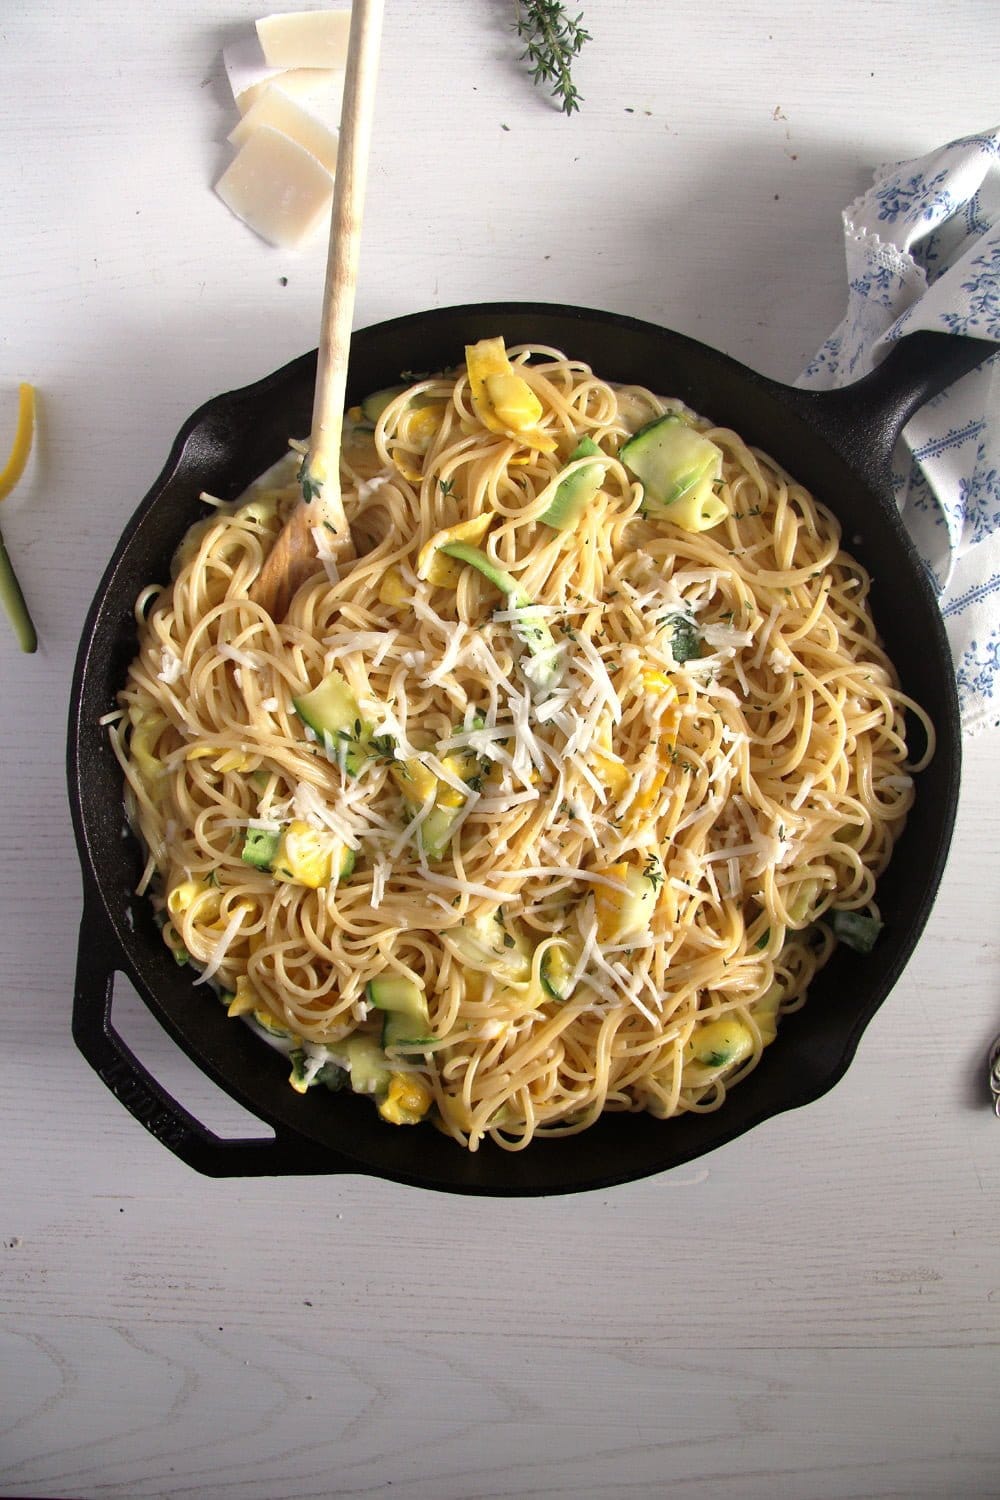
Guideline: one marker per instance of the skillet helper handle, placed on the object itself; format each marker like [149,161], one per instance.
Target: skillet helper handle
[135,1087]
[864,420]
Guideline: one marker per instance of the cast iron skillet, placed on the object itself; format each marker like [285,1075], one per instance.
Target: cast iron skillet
[837,443]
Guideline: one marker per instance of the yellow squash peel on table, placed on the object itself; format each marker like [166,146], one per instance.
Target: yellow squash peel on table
[10,589]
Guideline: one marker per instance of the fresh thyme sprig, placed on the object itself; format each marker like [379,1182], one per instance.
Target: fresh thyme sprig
[551,41]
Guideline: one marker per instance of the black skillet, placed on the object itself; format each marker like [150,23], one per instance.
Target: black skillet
[837,443]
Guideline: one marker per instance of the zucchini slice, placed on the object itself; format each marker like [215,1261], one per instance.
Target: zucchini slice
[394,992]
[575,492]
[673,460]
[331,711]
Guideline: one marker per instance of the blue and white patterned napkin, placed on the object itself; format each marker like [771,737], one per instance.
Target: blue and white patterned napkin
[923,251]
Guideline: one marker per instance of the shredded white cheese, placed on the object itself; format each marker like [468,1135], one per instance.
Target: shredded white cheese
[453,653]
[222,947]
[171,667]
[602,686]
[805,787]
[311,808]
[325,553]
[764,638]
[369,487]
[467,887]
[726,636]
[241,658]
[419,817]
[380,870]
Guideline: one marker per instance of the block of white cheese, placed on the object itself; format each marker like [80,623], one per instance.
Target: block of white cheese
[245,65]
[318,90]
[305,38]
[277,110]
[277,187]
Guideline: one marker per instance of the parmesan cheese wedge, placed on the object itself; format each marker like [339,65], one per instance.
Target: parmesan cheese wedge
[319,90]
[277,188]
[245,66]
[276,110]
[305,38]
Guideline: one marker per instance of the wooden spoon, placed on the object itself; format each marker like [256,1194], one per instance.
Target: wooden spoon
[294,558]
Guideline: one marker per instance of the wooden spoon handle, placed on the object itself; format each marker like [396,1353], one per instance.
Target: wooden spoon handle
[345,246]
[293,558]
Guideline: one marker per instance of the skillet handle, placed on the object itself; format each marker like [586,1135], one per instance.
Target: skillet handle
[161,1114]
[863,421]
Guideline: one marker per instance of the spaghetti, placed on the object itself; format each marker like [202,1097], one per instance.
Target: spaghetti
[548,802]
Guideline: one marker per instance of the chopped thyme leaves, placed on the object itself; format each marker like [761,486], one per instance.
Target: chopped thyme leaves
[310,487]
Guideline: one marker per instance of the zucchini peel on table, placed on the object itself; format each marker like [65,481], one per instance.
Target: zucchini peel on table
[10,475]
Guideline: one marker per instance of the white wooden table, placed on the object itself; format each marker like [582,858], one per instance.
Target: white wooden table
[813,1311]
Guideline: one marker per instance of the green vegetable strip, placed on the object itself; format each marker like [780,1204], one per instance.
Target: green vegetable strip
[14,604]
[855,930]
